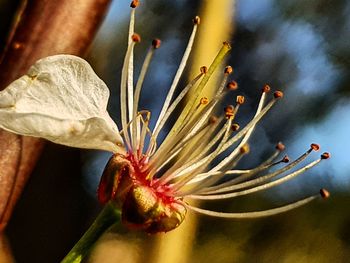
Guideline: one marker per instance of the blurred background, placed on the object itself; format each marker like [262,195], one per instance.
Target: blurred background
[300,47]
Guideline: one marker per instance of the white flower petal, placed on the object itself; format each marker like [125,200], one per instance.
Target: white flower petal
[61,99]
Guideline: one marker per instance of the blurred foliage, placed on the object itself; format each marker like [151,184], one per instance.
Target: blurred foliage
[316,233]
[56,208]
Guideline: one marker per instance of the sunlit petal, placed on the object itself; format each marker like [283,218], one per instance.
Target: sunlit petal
[61,99]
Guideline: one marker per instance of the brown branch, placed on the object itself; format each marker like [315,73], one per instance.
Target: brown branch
[42,28]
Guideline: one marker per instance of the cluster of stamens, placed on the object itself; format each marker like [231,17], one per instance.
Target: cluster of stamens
[189,163]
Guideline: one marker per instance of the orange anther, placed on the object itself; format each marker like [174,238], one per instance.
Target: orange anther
[204,70]
[156,43]
[266,89]
[232,85]
[134,3]
[280,146]
[278,94]
[197,20]
[136,38]
[324,193]
[315,146]
[240,99]
[228,70]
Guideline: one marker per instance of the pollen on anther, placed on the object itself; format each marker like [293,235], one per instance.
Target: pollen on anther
[235,127]
[204,70]
[325,156]
[266,89]
[229,111]
[228,70]
[240,99]
[278,94]
[285,159]
[232,85]
[244,149]
[136,38]
[225,43]
[156,43]
[315,146]
[204,101]
[197,20]
[324,193]
[134,3]
[280,146]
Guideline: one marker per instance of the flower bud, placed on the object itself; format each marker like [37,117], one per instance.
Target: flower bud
[142,206]
[144,209]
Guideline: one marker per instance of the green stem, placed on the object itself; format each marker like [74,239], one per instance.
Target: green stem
[107,217]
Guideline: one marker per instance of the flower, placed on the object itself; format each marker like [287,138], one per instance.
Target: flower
[61,99]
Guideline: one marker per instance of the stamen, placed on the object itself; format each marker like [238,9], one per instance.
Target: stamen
[240,100]
[213,122]
[197,20]
[176,102]
[172,173]
[204,70]
[256,214]
[190,189]
[168,145]
[244,149]
[209,143]
[257,188]
[144,69]
[232,184]
[244,175]
[278,94]
[204,182]
[280,147]
[204,101]
[315,147]
[187,170]
[324,193]
[188,139]
[228,70]
[325,155]
[135,38]
[134,3]
[179,71]
[123,90]
[250,126]
[208,110]
[156,43]
[229,112]
[144,129]
[189,121]
[191,148]
[235,127]
[246,132]
[266,88]
[232,85]
[220,56]
[191,128]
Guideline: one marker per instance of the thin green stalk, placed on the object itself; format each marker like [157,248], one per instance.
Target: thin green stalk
[107,217]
